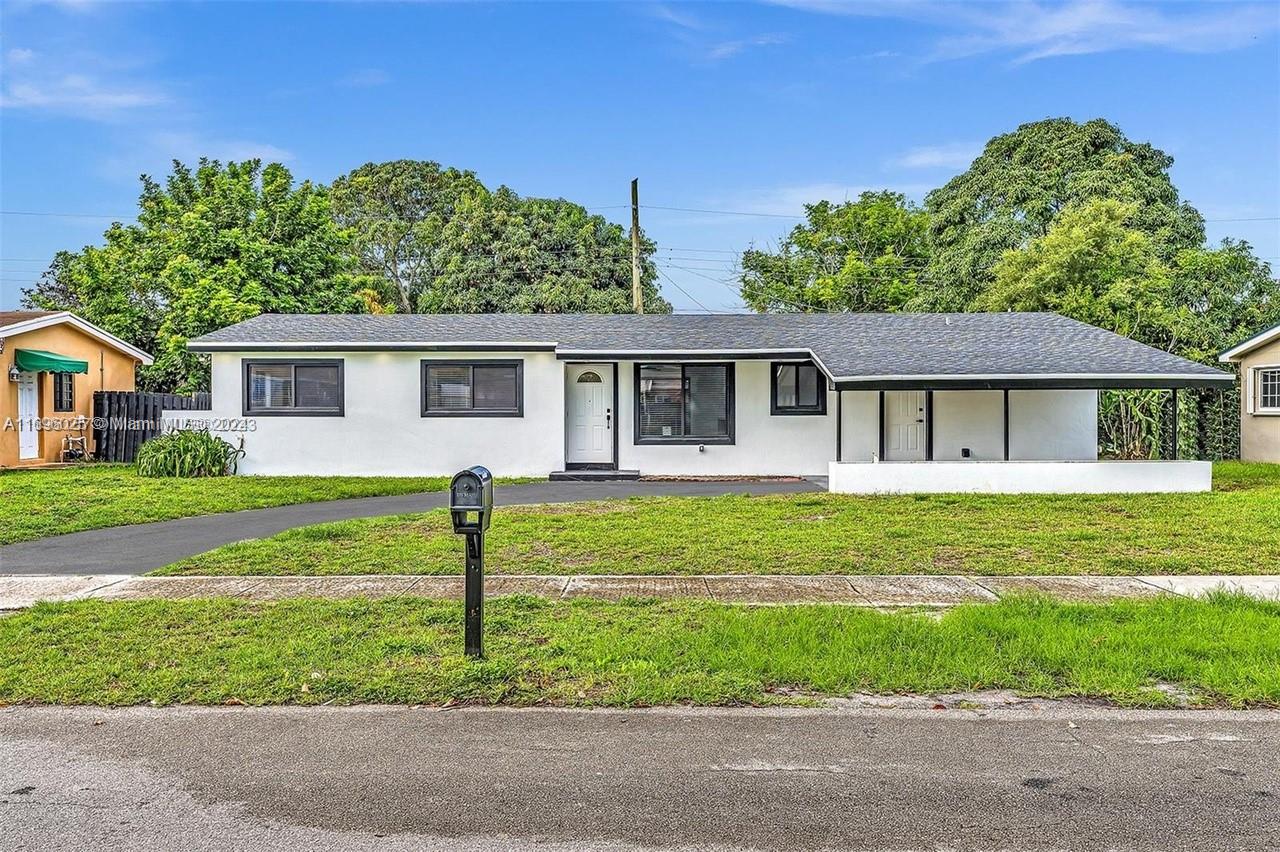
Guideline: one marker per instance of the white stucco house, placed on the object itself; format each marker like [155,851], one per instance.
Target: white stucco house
[874,402]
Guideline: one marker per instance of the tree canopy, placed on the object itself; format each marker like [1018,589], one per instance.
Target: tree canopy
[444,243]
[211,247]
[1094,264]
[1023,180]
[863,255]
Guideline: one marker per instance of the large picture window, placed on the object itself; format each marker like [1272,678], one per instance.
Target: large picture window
[684,404]
[472,388]
[64,392]
[1269,389]
[798,388]
[304,388]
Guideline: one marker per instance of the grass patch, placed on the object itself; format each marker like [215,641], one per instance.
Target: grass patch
[1232,530]
[39,503]
[1224,651]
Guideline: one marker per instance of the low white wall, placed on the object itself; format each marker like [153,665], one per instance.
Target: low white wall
[972,420]
[860,437]
[1060,477]
[383,432]
[764,444]
[1053,425]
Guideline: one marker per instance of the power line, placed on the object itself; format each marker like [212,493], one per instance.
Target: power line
[721,212]
[682,290]
[702,250]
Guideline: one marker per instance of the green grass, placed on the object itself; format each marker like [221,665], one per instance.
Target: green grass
[1232,530]
[1224,652]
[39,503]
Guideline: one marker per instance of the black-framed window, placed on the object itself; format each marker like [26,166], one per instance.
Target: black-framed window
[797,387]
[1269,389]
[486,388]
[684,403]
[64,392]
[310,387]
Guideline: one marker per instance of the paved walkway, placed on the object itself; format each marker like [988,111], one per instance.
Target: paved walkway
[144,547]
[884,591]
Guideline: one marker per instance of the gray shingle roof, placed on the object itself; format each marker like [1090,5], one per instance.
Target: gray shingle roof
[851,347]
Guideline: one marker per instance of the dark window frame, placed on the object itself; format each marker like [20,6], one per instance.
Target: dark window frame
[70,379]
[687,440]
[247,365]
[797,410]
[427,363]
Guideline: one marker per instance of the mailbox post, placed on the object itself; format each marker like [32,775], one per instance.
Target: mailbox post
[470,506]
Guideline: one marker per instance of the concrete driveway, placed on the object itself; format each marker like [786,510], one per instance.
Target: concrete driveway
[1033,776]
[145,547]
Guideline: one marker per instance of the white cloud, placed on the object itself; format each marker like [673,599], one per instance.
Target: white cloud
[76,94]
[365,78]
[727,49]
[1031,30]
[81,88]
[679,17]
[708,40]
[957,155]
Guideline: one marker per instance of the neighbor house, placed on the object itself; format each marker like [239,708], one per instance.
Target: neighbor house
[53,361]
[1259,360]
[875,402]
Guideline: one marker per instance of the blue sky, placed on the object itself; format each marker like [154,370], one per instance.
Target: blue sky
[754,108]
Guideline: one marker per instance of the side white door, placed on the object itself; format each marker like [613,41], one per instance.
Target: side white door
[28,414]
[589,419]
[904,425]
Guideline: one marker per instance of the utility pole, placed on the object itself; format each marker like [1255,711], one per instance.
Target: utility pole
[637,295]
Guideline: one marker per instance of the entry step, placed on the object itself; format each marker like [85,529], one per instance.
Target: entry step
[594,475]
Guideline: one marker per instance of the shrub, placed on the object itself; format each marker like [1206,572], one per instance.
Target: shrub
[188,453]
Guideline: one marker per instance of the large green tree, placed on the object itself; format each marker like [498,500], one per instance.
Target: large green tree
[1016,188]
[211,247]
[1097,265]
[442,242]
[1092,265]
[863,255]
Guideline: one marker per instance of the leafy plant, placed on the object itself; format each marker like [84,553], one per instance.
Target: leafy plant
[188,453]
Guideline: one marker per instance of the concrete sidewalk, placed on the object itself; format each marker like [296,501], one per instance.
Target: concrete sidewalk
[883,591]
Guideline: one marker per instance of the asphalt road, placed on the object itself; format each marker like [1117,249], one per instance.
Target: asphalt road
[140,548]
[399,778]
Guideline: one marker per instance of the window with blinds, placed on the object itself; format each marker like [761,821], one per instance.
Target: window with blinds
[798,388]
[684,403]
[472,389]
[303,388]
[1269,390]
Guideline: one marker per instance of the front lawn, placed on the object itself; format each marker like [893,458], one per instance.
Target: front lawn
[1221,652]
[1233,530]
[39,503]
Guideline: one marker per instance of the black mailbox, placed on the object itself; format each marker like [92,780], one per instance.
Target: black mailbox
[471,499]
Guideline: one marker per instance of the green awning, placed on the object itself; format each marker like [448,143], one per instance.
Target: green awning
[39,361]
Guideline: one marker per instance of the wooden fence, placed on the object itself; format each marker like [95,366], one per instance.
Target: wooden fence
[122,420]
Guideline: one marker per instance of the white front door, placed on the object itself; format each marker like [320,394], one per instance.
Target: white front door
[904,425]
[589,418]
[28,414]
